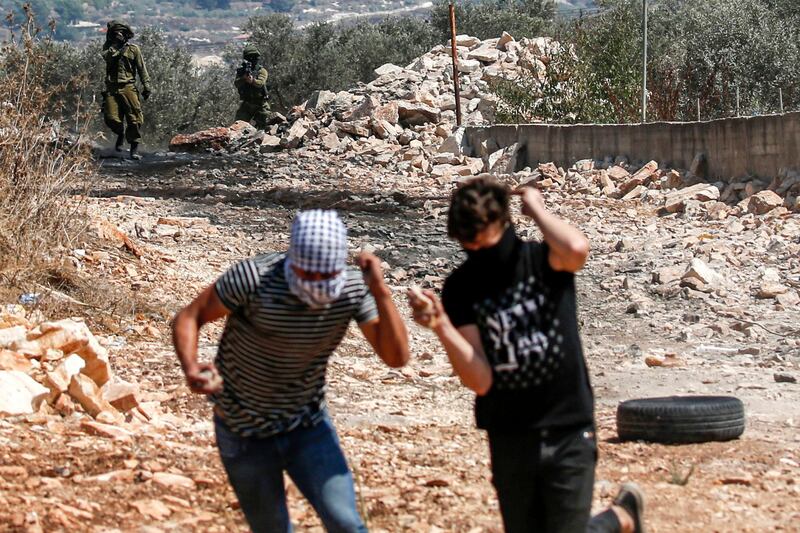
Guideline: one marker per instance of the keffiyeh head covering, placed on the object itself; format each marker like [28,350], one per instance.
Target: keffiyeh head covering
[318,243]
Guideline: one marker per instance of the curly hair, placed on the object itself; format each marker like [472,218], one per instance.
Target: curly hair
[475,206]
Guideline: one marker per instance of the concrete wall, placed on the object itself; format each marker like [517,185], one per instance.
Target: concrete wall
[736,147]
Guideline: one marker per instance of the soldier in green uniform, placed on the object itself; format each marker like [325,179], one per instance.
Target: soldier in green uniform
[251,81]
[121,101]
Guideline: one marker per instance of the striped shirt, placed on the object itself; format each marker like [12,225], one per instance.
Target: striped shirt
[274,350]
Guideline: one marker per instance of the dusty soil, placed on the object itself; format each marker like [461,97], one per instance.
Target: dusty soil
[409,434]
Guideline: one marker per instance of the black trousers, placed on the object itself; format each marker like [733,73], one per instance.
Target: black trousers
[544,481]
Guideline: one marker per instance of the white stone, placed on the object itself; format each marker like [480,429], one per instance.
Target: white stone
[20,394]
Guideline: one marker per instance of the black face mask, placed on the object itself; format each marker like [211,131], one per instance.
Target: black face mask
[497,255]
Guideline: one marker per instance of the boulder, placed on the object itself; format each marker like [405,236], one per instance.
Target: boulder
[19,393]
[294,137]
[356,129]
[646,171]
[763,202]
[122,395]
[88,394]
[702,272]
[331,142]
[388,68]
[365,109]
[485,54]
[10,360]
[455,143]
[414,114]
[504,40]
[465,40]
[617,173]
[11,336]
[201,141]
[70,336]
[387,112]
[320,100]
[59,379]
[270,143]
[468,65]
[676,201]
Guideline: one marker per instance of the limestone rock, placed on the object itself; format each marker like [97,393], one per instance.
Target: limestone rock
[703,192]
[320,100]
[88,394]
[212,138]
[411,114]
[468,65]
[504,40]
[169,481]
[70,337]
[294,137]
[59,379]
[270,143]
[10,360]
[105,430]
[465,40]
[19,393]
[12,336]
[121,394]
[705,274]
[763,202]
[388,68]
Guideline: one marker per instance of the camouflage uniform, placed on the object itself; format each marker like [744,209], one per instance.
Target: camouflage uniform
[121,102]
[254,105]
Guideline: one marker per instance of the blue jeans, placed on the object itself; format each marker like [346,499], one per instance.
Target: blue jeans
[313,459]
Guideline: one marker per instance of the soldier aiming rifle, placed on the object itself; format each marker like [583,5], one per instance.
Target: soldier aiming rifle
[251,82]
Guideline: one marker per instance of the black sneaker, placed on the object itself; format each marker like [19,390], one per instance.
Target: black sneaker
[631,498]
[120,142]
[135,151]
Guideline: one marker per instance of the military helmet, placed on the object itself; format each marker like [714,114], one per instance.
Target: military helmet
[115,26]
[250,50]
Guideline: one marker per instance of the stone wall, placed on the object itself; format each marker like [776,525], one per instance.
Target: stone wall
[734,148]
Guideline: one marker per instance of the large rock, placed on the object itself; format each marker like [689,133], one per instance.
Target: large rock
[320,100]
[59,379]
[504,40]
[764,202]
[14,361]
[294,137]
[356,129]
[468,65]
[88,394]
[455,143]
[465,40]
[676,201]
[388,68]
[365,109]
[646,171]
[415,114]
[705,274]
[11,336]
[122,395]
[19,393]
[212,138]
[485,54]
[70,337]
[388,112]
[270,143]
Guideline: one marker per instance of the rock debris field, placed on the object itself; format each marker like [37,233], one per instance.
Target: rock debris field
[692,287]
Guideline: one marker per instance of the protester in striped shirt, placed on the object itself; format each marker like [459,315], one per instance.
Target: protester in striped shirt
[286,314]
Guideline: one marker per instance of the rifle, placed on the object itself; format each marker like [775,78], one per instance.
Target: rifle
[248,68]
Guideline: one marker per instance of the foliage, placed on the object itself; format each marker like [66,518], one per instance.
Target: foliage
[331,57]
[42,165]
[697,51]
[487,19]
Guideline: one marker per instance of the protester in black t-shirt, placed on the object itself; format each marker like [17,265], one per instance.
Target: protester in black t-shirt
[508,323]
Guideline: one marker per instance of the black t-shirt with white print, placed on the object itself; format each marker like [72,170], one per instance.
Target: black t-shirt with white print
[526,314]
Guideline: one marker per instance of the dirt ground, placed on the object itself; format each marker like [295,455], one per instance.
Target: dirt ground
[409,434]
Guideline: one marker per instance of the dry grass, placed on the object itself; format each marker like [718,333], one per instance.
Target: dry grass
[42,169]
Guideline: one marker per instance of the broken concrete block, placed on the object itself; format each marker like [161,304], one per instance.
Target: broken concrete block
[88,394]
[19,393]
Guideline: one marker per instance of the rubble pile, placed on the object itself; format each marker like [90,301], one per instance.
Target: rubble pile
[61,368]
[403,116]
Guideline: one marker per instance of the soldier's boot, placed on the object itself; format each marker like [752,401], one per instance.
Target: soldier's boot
[135,151]
[120,142]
